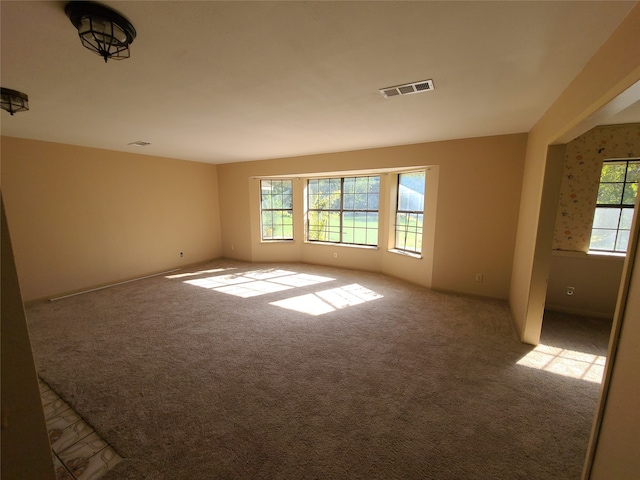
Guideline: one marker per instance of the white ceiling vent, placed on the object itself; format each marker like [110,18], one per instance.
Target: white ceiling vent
[407,89]
[139,143]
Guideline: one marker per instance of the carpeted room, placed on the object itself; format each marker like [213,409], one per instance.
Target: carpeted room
[232,370]
[86,208]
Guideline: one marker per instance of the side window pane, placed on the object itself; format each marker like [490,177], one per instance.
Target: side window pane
[411,191]
[409,211]
[401,230]
[276,201]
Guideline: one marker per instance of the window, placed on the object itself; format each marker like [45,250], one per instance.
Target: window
[276,200]
[343,210]
[410,211]
[614,210]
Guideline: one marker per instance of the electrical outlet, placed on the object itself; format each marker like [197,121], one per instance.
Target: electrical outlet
[479,277]
[181,254]
[335,254]
[571,290]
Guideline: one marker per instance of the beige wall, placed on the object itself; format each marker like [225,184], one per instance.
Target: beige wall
[618,441]
[614,68]
[615,443]
[26,452]
[596,279]
[82,217]
[477,188]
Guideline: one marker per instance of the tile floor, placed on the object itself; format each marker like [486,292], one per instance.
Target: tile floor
[78,452]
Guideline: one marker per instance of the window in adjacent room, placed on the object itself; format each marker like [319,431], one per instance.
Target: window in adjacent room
[410,211]
[615,205]
[276,201]
[343,210]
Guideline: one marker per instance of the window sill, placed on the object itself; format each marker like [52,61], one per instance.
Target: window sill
[347,245]
[596,254]
[406,254]
[590,255]
[275,240]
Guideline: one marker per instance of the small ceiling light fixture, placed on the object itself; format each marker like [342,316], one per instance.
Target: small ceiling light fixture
[101,30]
[13,101]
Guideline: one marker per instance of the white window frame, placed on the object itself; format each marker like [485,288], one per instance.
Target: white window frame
[625,212]
[270,210]
[339,210]
[417,214]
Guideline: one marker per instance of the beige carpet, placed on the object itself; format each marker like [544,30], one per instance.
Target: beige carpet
[228,372]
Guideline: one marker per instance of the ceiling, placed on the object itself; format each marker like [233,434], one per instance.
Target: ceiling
[222,82]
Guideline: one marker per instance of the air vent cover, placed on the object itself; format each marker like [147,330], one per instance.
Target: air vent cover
[407,89]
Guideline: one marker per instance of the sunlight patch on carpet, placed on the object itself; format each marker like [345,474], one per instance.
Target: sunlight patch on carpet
[252,289]
[201,272]
[327,301]
[581,365]
[257,282]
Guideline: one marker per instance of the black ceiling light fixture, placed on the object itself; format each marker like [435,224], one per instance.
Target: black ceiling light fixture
[13,101]
[101,29]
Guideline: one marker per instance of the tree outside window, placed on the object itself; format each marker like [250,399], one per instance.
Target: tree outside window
[617,194]
[343,210]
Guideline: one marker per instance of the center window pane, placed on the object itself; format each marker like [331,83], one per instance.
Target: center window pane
[343,210]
